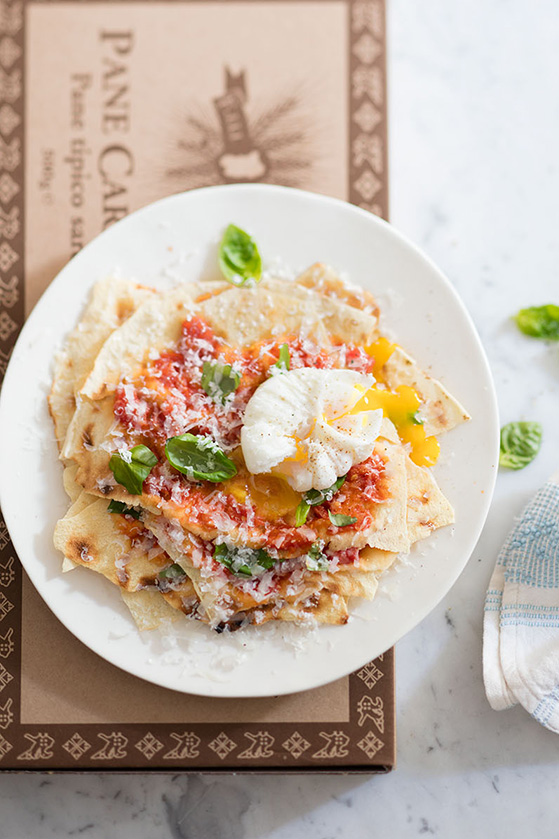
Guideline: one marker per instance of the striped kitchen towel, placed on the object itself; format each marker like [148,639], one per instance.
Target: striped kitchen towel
[521,619]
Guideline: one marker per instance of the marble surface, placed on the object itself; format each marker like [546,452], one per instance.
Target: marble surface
[474,180]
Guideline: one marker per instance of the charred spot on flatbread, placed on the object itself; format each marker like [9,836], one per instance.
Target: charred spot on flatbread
[124,308]
[79,550]
[87,439]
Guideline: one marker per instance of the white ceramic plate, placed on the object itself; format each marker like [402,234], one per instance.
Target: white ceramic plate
[176,239]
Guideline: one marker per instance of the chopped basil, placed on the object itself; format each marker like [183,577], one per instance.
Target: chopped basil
[244,562]
[340,520]
[315,559]
[314,497]
[199,457]
[301,513]
[540,322]
[315,550]
[319,496]
[520,443]
[172,573]
[239,259]
[120,507]
[130,469]
[284,358]
[415,418]
[219,380]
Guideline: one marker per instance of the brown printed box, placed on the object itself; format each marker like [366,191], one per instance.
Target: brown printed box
[105,107]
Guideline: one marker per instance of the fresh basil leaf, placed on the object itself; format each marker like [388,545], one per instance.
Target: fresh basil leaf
[173,573]
[314,497]
[239,259]
[340,520]
[520,443]
[130,469]
[219,380]
[301,513]
[539,321]
[319,496]
[283,361]
[316,560]
[120,507]
[199,457]
[244,562]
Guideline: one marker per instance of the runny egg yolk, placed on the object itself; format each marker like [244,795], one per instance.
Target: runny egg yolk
[380,352]
[301,454]
[400,406]
[271,495]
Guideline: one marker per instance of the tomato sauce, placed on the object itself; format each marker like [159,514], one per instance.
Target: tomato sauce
[167,399]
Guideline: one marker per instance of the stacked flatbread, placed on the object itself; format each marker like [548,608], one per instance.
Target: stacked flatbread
[125,328]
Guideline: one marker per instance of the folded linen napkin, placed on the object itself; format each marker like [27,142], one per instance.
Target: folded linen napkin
[521,618]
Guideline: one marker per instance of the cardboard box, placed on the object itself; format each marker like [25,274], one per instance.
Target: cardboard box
[105,107]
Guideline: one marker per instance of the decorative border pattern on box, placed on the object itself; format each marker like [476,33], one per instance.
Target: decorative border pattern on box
[11,320]
[367,739]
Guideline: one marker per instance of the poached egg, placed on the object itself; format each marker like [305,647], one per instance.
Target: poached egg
[306,426]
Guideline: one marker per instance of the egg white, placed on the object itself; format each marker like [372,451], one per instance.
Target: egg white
[298,424]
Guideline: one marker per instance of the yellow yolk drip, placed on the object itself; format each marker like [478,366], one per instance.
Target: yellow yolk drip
[301,454]
[400,406]
[380,352]
[271,495]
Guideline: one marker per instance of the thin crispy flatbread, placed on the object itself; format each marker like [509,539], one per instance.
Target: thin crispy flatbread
[440,411]
[111,303]
[323,607]
[323,279]
[154,326]
[342,321]
[428,508]
[91,537]
[388,531]
[243,316]
[149,609]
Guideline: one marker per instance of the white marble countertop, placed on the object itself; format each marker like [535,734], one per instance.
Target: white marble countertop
[474,129]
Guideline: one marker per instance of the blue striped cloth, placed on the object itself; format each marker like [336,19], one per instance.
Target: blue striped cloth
[521,618]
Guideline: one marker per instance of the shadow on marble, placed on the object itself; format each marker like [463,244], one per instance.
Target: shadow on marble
[171,807]
[250,806]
